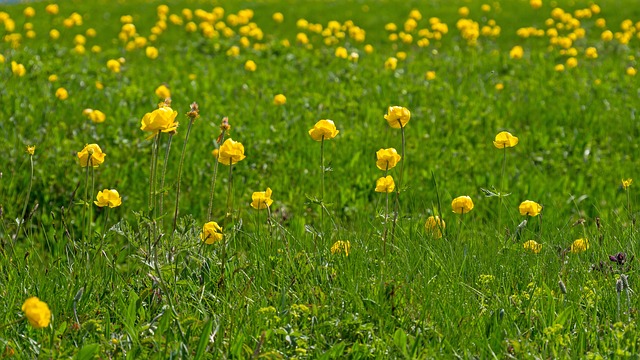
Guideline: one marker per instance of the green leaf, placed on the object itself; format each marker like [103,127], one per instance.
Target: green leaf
[88,352]
[204,339]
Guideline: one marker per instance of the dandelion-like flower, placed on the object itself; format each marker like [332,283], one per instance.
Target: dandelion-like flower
[211,232]
[37,312]
[340,247]
[163,91]
[323,130]
[279,99]
[532,246]
[579,246]
[434,226]
[261,199]
[462,205]
[31,149]
[626,183]
[530,208]
[504,139]
[387,159]
[92,153]
[109,198]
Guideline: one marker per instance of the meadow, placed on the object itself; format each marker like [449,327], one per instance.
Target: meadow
[319,179]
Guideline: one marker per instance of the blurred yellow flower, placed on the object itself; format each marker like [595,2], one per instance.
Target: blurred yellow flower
[18,69]
[535,4]
[91,32]
[231,152]
[99,85]
[516,52]
[161,119]
[431,75]
[626,183]
[215,153]
[113,65]
[572,62]
[434,226]
[37,312]
[96,116]
[279,99]
[151,52]
[559,68]
[323,130]
[463,11]
[579,246]
[51,9]
[631,71]
[29,12]
[62,94]
[109,198]
[532,246]
[1,59]
[591,53]
[341,52]
[462,204]
[91,154]
[504,139]
[31,150]
[499,86]
[211,232]
[163,92]
[397,116]
[250,65]
[385,184]
[341,246]
[261,199]
[278,17]
[391,63]
[530,208]
[368,49]
[606,35]
[54,34]
[387,159]
[53,78]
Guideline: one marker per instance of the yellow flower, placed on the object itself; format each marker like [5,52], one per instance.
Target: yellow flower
[231,152]
[606,35]
[535,4]
[162,119]
[109,198]
[37,312]
[323,130]
[631,71]
[532,246]
[151,52]
[434,226]
[559,68]
[463,11]
[462,204]
[215,153]
[391,63]
[163,92]
[279,99]
[113,65]
[579,246]
[387,158]
[62,94]
[591,53]
[341,246]
[29,12]
[499,86]
[397,116]
[52,9]
[93,152]
[250,65]
[32,149]
[626,183]
[53,78]
[2,59]
[368,48]
[572,62]
[516,53]
[431,75]
[278,17]
[530,208]
[504,139]
[385,184]
[97,116]
[341,52]
[211,232]
[261,199]
[18,69]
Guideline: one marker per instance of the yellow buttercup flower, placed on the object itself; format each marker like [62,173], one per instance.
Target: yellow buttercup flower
[161,119]
[18,69]
[434,226]
[231,152]
[341,246]
[62,94]
[37,312]
[261,199]
[52,9]
[323,130]
[31,150]
[211,232]
[391,63]
[579,246]
[504,139]
[532,246]
[29,12]
[250,65]
[387,159]
[163,92]
[462,204]
[113,65]
[430,75]
[279,99]
[109,198]
[96,116]
[530,208]
[626,183]
[278,17]
[91,154]
[397,116]
[151,52]
[385,184]
[516,52]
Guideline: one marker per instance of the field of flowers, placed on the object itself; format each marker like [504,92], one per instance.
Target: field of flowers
[319,179]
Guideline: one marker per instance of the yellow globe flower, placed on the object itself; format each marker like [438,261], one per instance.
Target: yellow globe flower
[278,17]
[530,208]
[211,232]
[323,130]
[62,94]
[516,52]
[113,65]
[231,152]
[250,65]
[52,9]
[97,116]
[385,184]
[18,69]
[161,119]
[163,92]
[341,246]
[579,246]
[504,139]
[91,154]
[279,99]
[434,226]
[462,205]
[151,52]
[387,159]
[109,198]
[430,75]
[397,116]
[391,63]
[37,312]
[31,150]
[29,12]
[626,183]
[261,199]
[532,246]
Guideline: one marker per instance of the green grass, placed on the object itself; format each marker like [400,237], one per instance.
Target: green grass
[274,289]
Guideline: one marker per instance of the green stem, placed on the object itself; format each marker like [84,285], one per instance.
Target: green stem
[397,204]
[184,150]
[104,231]
[501,191]
[213,180]
[86,201]
[386,216]
[229,216]
[26,202]
[152,172]
[164,173]
[322,186]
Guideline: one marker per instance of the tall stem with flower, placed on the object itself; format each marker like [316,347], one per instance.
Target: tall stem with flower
[30,150]
[503,140]
[224,127]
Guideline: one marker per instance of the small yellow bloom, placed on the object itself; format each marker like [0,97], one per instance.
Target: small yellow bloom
[631,71]
[499,86]
[113,65]
[161,119]
[385,184]
[434,226]
[37,312]
[462,204]
[626,183]
[323,130]
[2,59]
[278,17]
[250,65]
[99,85]
[261,199]
[530,208]
[606,35]
[397,116]
[368,49]
[341,246]
[151,52]
[387,159]
[591,53]
[516,52]
[431,75]
[391,63]
[96,116]
[572,62]
[231,152]
[463,11]
[559,68]
[52,9]
[211,232]
[91,154]
[109,198]
[163,92]
[215,153]
[579,246]
[535,4]
[18,69]
[532,246]
[341,52]
[32,149]
[504,139]
[279,99]
[54,34]
[29,12]
[62,94]
[53,78]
